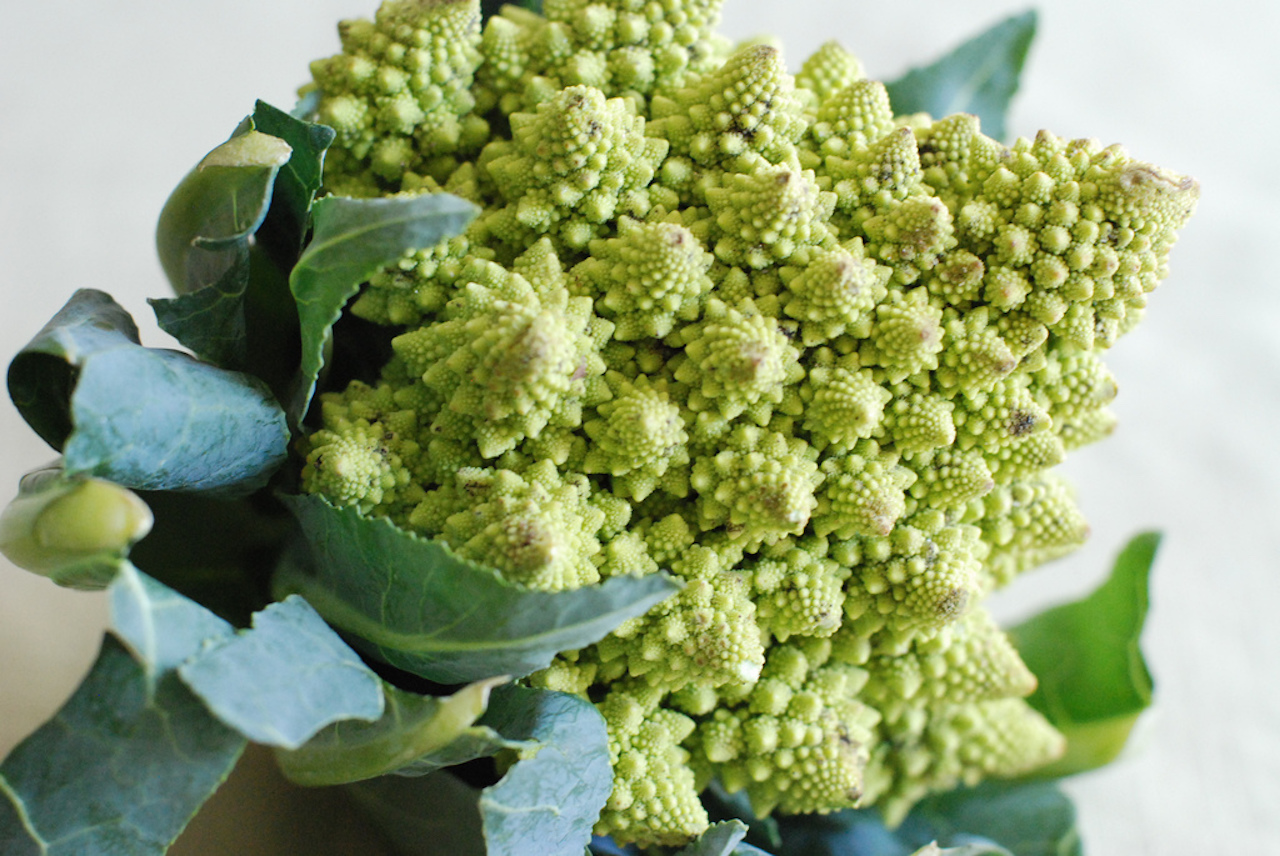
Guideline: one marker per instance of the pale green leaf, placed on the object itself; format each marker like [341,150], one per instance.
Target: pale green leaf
[548,802]
[1087,658]
[416,735]
[161,628]
[284,679]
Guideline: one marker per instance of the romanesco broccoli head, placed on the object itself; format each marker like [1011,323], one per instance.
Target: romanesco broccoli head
[753,330]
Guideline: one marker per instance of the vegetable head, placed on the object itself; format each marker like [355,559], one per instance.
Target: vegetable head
[751,329]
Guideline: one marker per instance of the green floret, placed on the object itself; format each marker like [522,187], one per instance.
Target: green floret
[763,216]
[1029,522]
[745,111]
[798,593]
[848,121]
[834,293]
[968,661]
[647,278]
[957,745]
[842,405]
[573,167]
[706,635]
[761,485]
[916,580]
[753,331]
[399,95]
[538,528]
[736,360]
[419,284]
[626,48]
[508,360]
[654,800]
[827,71]
[638,436]
[907,335]
[799,741]
[864,492]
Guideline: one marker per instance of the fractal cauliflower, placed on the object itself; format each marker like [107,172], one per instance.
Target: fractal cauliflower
[751,329]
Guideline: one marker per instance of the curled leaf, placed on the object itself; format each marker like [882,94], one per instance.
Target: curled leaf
[145,418]
[351,239]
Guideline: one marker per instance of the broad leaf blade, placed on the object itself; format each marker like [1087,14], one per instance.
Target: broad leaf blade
[351,239]
[285,679]
[425,816]
[415,735]
[1087,657]
[144,418]
[210,320]
[1027,819]
[547,804]
[978,77]
[121,769]
[161,628]
[423,609]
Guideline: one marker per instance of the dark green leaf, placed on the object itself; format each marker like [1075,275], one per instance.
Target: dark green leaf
[296,186]
[416,735]
[285,679]
[143,417]
[210,320]
[351,239]
[978,77]
[550,799]
[207,221]
[427,816]
[968,850]
[161,628]
[425,610]
[545,805]
[1026,819]
[1093,680]
[120,770]
[75,531]
[218,552]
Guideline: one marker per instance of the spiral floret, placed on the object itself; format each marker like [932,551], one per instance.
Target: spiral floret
[813,360]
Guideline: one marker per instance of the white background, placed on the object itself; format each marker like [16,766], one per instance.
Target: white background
[104,105]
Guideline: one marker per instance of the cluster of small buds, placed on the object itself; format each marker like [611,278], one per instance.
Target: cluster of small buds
[815,360]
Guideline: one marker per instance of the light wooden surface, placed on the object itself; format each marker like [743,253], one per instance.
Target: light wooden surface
[104,105]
